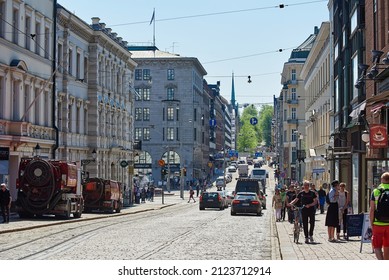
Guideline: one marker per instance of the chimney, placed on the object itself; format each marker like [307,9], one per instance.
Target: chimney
[95,20]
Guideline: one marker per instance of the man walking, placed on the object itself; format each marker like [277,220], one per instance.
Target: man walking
[5,202]
[308,200]
[380,222]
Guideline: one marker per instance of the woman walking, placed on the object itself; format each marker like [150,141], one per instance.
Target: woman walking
[277,204]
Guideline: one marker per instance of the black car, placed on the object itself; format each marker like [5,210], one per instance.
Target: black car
[257,165]
[246,202]
[211,200]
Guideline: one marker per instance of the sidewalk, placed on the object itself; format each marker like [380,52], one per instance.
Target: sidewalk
[320,249]
[17,224]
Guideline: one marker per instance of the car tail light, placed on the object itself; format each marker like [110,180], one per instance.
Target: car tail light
[201,198]
[219,197]
[235,201]
[255,202]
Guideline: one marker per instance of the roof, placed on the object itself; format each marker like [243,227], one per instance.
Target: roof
[149,52]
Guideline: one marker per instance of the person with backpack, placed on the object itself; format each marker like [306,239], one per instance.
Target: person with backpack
[379,218]
[308,200]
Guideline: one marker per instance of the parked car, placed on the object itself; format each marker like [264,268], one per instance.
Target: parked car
[228,177]
[246,202]
[231,168]
[257,165]
[211,200]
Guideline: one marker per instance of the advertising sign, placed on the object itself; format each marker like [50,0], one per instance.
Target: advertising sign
[378,136]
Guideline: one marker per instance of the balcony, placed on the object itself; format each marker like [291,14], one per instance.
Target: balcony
[292,121]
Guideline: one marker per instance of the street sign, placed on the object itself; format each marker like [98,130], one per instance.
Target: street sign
[123,163]
[161,162]
[253,121]
[212,122]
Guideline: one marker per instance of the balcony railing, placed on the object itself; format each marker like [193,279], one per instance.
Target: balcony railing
[292,101]
[292,121]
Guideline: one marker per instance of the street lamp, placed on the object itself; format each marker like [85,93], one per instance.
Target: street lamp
[37,150]
[87,161]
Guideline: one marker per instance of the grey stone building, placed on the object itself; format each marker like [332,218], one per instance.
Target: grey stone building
[171,117]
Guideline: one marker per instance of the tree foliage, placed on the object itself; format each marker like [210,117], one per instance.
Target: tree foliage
[250,136]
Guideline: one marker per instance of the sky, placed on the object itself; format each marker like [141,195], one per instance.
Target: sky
[227,37]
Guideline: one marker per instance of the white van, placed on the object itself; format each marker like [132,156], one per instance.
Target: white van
[220,181]
[260,175]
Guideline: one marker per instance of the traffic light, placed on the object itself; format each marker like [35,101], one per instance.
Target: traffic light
[184,171]
[164,171]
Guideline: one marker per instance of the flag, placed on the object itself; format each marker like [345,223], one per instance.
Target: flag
[153,17]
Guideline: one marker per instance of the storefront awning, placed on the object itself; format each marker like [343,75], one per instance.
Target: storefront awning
[378,106]
[357,110]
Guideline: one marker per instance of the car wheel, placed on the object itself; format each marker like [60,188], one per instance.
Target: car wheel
[264,206]
[221,208]
[259,213]
[233,213]
[202,208]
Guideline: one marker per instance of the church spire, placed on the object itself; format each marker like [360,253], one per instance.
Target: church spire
[233,100]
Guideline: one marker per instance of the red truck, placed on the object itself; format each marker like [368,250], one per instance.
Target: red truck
[102,195]
[48,187]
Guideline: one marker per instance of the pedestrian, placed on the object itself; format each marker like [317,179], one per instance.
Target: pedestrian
[380,228]
[283,198]
[343,202]
[191,193]
[277,204]
[143,195]
[5,202]
[308,200]
[290,195]
[332,217]
[197,189]
[152,190]
[322,197]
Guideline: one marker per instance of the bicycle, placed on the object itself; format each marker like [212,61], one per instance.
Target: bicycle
[297,222]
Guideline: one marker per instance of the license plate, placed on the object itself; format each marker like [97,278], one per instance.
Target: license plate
[210,200]
[245,204]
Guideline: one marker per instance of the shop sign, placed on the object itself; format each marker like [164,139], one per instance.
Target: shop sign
[378,136]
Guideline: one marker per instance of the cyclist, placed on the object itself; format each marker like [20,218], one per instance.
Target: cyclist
[308,200]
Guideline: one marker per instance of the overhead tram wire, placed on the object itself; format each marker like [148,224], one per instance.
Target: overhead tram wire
[280,6]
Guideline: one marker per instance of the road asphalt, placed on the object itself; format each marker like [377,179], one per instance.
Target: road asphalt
[283,247]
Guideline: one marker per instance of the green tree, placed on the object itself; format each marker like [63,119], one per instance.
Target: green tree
[264,122]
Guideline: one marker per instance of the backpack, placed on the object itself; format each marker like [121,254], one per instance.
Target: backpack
[382,210]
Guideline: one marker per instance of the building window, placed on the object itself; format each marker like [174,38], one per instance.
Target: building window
[70,62]
[47,42]
[294,154]
[146,133]
[15,26]
[354,62]
[85,69]
[78,65]
[170,133]
[60,58]
[138,114]
[138,74]
[146,74]
[27,31]
[170,114]
[138,133]
[294,113]
[146,94]
[170,74]
[170,94]
[37,37]
[294,76]
[146,114]
[354,21]
[293,136]
[138,95]
[294,93]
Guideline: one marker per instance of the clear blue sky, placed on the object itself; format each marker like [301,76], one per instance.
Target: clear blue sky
[226,36]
